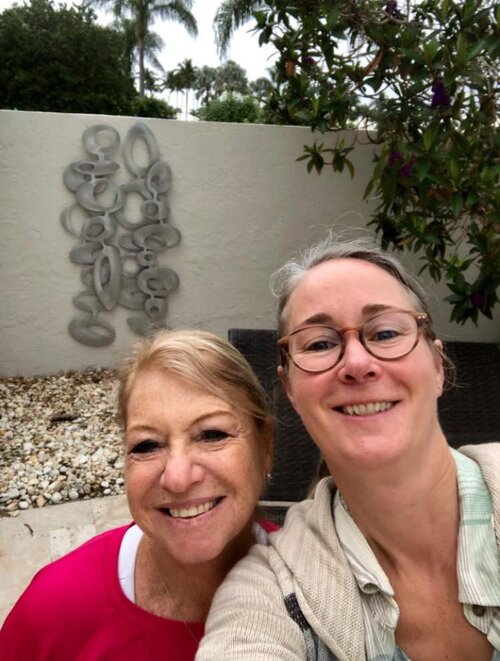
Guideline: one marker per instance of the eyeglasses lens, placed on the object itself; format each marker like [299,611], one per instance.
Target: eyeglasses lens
[387,336]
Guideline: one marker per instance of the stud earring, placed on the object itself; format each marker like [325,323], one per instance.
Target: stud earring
[269,476]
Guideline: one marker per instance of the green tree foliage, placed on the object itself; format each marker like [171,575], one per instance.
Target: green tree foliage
[422,80]
[149,106]
[60,60]
[182,79]
[230,109]
[231,78]
[204,84]
[143,13]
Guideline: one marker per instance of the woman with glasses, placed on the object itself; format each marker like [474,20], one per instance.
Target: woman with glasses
[396,558]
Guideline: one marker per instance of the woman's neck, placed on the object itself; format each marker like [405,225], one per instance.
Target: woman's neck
[413,514]
[183,592]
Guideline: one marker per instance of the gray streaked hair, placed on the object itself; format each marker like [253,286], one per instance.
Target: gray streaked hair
[285,280]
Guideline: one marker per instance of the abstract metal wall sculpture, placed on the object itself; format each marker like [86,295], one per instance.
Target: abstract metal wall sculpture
[110,241]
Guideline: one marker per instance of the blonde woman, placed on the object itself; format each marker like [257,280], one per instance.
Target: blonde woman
[198,446]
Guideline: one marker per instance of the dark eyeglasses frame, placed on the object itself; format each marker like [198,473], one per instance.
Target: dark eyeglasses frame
[423,325]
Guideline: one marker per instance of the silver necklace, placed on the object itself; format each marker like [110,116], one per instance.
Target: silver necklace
[177,609]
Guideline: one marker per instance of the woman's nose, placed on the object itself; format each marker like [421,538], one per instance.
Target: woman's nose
[357,363]
[180,473]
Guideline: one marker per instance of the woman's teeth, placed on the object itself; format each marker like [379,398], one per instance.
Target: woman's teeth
[189,512]
[367,409]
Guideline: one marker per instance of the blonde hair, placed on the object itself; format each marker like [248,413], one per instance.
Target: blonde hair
[203,359]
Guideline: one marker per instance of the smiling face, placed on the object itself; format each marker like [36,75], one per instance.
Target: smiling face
[365,413]
[195,468]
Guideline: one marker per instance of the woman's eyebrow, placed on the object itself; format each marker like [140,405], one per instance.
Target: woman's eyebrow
[215,413]
[318,318]
[324,318]
[374,308]
[203,416]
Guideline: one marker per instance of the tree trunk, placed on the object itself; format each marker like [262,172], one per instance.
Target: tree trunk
[140,45]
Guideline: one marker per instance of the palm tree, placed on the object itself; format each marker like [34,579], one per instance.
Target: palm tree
[204,85]
[231,15]
[230,78]
[261,88]
[185,76]
[143,14]
[153,45]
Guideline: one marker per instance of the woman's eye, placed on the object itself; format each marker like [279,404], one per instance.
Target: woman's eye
[144,447]
[320,345]
[213,435]
[384,335]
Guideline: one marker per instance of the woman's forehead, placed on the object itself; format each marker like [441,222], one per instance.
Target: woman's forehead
[344,285]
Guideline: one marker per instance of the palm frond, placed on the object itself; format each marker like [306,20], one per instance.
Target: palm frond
[231,15]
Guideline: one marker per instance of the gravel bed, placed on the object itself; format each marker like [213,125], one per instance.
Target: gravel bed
[59,439]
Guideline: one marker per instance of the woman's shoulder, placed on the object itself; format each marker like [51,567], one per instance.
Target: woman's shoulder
[75,575]
[64,598]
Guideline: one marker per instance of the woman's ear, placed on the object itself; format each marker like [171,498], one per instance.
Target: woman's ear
[285,382]
[438,358]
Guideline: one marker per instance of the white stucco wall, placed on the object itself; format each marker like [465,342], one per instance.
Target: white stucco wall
[241,201]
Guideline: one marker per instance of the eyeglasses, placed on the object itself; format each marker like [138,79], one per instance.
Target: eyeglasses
[389,335]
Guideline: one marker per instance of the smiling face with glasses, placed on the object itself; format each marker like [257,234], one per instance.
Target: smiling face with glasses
[390,334]
[360,365]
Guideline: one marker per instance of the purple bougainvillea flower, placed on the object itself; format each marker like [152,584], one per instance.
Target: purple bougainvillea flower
[440,97]
[391,8]
[478,299]
[397,163]
[406,170]
[394,157]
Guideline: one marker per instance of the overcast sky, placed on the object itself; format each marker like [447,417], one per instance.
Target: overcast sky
[179,45]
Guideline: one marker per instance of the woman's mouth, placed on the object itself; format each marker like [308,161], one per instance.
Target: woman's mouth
[365,409]
[191,512]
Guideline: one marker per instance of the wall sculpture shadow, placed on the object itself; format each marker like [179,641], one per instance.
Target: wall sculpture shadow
[119,254]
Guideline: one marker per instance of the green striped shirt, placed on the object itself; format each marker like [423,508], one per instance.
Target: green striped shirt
[478,568]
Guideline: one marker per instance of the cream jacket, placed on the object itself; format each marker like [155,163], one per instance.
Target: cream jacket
[249,620]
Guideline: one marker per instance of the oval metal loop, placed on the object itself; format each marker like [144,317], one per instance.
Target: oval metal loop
[92,331]
[159,177]
[155,308]
[157,236]
[140,325]
[72,179]
[85,194]
[66,219]
[169,278]
[92,144]
[140,132]
[85,253]
[107,276]
[98,228]
[155,209]
[131,297]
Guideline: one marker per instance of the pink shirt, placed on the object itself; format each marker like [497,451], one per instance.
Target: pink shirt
[74,609]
